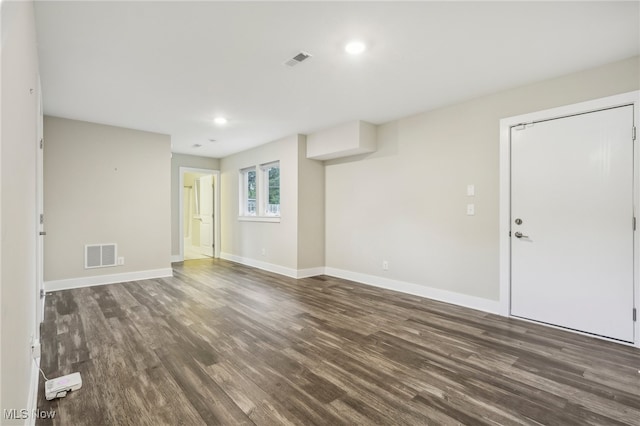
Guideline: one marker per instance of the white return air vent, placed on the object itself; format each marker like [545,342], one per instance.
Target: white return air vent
[100,255]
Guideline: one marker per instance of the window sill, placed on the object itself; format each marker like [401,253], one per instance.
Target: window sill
[272,219]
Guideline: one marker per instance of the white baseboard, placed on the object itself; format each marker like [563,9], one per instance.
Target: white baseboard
[32,403]
[282,270]
[106,279]
[473,302]
[176,258]
[310,272]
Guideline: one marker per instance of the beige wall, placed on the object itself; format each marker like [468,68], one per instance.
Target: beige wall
[177,161]
[297,241]
[105,184]
[406,203]
[247,239]
[18,204]
[310,210]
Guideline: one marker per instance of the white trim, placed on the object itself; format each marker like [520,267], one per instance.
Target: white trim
[216,209]
[472,302]
[504,217]
[262,193]
[459,299]
[270,219]
[263,197]
[243,182]
[177,258]
[107,279]
[282,270]
[505,187]
[32,403]
[582,333]
[271,267]
[39,211]
[311,272]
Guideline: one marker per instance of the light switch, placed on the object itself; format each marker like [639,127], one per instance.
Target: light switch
[471,209]
[471,190]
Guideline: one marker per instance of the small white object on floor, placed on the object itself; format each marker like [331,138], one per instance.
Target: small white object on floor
[59,387]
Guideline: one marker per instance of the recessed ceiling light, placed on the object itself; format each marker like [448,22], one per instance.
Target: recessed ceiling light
[220,120]
[355,47]
[212,140]
[197,145]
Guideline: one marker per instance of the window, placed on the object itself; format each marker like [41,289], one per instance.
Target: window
[248,192]
[260,193]
[271,182]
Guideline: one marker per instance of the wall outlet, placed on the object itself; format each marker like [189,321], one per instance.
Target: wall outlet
[385,265]
[471,209]
[35,350]
[121,261]
[264,252]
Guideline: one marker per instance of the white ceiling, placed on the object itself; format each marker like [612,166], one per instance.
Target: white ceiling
[170,67]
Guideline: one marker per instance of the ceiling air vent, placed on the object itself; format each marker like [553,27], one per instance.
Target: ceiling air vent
[302,56]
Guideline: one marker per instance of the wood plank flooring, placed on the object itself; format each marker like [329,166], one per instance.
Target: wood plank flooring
[221,343]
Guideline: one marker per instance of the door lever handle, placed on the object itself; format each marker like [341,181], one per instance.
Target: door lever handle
[519,235]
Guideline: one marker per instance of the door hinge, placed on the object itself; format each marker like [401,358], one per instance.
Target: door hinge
[41,143]
[41,219]
[633,132]
[523,126]
[634,314]
[42,293]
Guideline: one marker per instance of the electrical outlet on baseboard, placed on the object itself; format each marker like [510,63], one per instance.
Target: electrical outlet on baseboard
[121,261]
[35,350]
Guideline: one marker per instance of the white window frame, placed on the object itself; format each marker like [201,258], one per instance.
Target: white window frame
[262,194]
[244,192]
[264,172]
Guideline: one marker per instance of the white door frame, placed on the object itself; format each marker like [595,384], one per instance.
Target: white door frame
[216,207]
[630,98]
[39,210]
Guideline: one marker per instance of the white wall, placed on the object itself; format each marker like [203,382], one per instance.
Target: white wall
[105,184]
[406,203]
[177,161]
[18,204]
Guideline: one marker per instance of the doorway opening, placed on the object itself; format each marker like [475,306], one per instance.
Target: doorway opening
[199,219]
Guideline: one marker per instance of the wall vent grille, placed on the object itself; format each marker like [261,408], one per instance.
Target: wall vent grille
[302,56]
[100,255]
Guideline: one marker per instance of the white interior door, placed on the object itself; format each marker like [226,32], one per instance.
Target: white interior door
[206,215]
[572,222]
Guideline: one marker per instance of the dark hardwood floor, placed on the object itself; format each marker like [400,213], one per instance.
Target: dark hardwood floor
[221,343]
